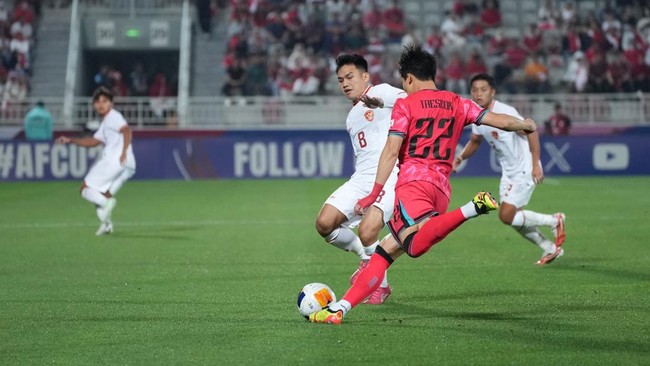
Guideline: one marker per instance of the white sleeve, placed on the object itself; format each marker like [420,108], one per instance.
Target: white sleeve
[389,94]
[115,122]
[99,134]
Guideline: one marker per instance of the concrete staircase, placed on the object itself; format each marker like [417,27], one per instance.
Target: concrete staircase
[50,54]
[207,53]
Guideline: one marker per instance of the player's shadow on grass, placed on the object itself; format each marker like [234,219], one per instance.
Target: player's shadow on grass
[587,340]
[587,267]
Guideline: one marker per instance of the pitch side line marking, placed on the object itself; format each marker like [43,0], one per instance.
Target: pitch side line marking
[50,225]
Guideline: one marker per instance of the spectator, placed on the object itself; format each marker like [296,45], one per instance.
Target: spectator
[306,83]
[315,33]
[394,22]
[160,93]
[354,40]
[577,73]
[435,41]
[24,13]
[515,54]
[335,8]
[548,11]
[559,123]
[138,81]
[598,82]
[618,73]
[204,14]
[452,29]
[235,79]
[475,64]
[533,39]
[536,75]
[373,20]
[38,123]
[257,82]
[490,16]
[455,72]
[101,78]
[474,30]
[15,90]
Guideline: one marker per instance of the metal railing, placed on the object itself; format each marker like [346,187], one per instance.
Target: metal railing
[315,112]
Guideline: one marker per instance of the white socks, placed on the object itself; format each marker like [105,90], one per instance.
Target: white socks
[469,210]
[534,236]
[342,305]
[346,239]
[525,218]
[94,196]
[526,223]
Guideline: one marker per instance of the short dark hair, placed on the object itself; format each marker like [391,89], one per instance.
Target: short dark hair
[40,103]
[357,60]
[417,62]
[485,77]
[102,90]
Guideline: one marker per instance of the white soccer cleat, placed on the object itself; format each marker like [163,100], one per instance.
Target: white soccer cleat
[104,213]
[104,228]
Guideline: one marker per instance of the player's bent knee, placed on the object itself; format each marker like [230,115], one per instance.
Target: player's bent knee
[506,216]
[324,228]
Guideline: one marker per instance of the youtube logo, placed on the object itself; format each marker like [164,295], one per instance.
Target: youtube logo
[611,156]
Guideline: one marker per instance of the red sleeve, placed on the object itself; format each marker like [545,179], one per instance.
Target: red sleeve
[472,112]
[400,118]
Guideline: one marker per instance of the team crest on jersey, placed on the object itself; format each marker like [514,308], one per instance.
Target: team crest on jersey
[370,115]
[495,135]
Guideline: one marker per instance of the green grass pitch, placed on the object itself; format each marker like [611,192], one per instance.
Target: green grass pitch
[207,272]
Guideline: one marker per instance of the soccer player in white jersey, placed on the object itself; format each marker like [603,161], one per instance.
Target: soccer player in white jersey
[116,164]
[521,170]
[367,123]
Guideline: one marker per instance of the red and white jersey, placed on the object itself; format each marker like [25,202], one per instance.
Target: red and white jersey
[511,148]
[109,134]
[431,123]
[368,128]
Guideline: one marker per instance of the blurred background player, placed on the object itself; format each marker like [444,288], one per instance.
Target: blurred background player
[521,170]
[367,123]
[424,134]
[116,164]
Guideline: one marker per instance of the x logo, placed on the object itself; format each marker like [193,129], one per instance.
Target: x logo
[557,157]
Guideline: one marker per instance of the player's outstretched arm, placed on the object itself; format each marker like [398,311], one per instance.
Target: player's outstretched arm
[81,141]
[533,143]
[387,162]
[508,123]
[469,150]
[126,133]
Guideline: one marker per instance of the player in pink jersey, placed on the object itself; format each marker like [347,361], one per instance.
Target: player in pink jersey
[367,122]
[425,131]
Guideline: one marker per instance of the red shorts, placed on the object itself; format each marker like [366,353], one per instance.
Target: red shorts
[414,202]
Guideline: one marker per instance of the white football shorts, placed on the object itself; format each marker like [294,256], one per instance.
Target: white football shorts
[516,192]
[105,171]
[346,196]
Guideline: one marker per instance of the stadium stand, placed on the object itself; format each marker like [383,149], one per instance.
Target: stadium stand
[542,52]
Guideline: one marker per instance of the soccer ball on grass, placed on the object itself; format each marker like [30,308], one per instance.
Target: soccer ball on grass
[313,297]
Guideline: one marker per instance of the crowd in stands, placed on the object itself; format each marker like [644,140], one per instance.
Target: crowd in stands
[137,82]
[287,47]
[17,23]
